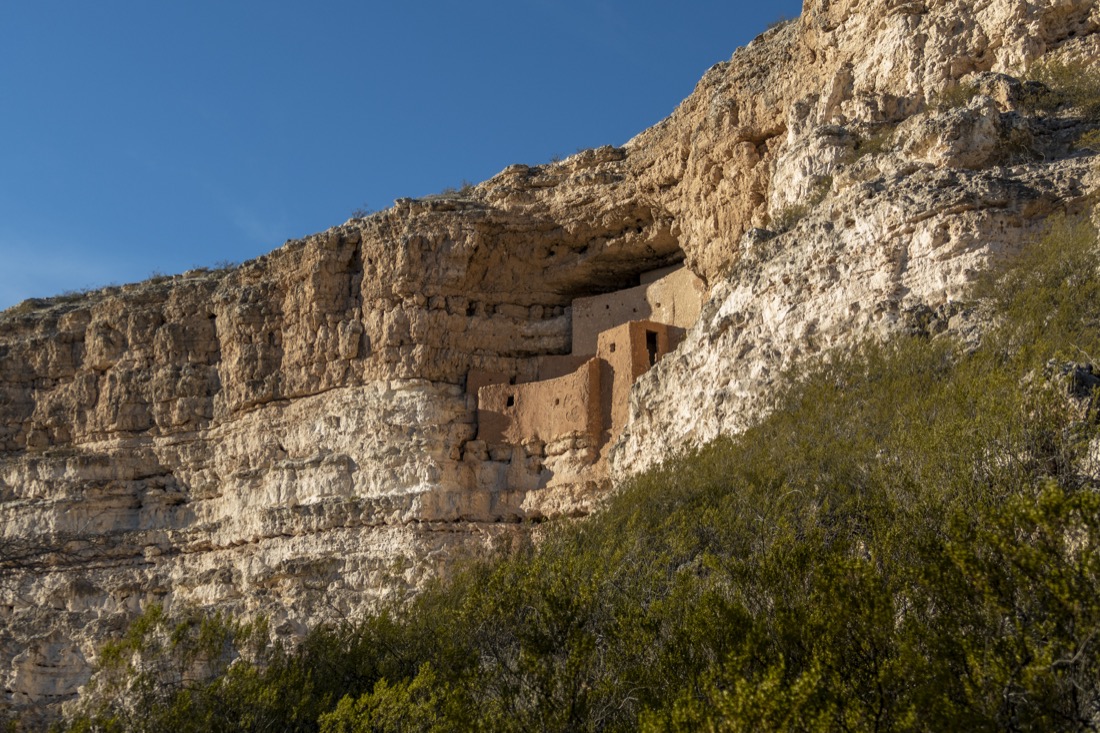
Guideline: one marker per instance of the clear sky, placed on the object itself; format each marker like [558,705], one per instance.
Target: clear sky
[144,136]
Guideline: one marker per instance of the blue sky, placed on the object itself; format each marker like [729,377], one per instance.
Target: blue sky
[155,136]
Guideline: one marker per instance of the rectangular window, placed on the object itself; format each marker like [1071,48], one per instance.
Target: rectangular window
[651,346]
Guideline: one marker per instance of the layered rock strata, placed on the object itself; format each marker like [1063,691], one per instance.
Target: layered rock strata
[297,437]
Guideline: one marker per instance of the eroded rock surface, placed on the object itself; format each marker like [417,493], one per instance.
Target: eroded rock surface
[295,436]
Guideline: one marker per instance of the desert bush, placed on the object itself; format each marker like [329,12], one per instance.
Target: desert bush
[786,218]
[953,97]
[73,296]
[1073,84]
[779,22]
[192,672]
[878,141]
[451,192]
[1089,141]
[24,307]
[1018,145]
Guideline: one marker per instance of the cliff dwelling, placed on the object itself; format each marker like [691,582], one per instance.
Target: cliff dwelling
[584,396]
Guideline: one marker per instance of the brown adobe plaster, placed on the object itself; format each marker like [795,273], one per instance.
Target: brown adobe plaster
[541,411]
[672,295]
[626,353]
[565,401]
[593,400]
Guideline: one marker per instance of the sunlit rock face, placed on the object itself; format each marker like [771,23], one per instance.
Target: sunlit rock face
[297,436]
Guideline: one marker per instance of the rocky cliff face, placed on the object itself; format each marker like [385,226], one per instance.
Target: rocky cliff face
[293,437]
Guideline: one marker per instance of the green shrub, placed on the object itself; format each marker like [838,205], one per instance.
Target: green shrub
[788,217]
[1071,84]
[953,97]
[878,141]
[1089,141]
[414,705]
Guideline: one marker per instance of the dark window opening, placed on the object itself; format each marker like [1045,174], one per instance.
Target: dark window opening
[511,400]
[651,346]
[612,348]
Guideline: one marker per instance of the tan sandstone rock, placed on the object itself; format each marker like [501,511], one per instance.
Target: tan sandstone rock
[296,436]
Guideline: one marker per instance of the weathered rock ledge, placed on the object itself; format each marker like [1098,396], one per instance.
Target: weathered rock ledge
[295,436]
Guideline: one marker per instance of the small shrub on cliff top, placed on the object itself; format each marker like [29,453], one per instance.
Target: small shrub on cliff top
[779,22]
[451,192]
[25,306]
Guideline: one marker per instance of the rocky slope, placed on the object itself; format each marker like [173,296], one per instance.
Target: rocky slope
[293,437]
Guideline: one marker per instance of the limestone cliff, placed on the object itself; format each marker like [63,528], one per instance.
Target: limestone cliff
[298,437]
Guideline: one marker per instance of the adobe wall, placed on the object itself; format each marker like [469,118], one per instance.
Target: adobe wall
[478,378]
[588,391]
[675,299]
[553,366]
[550,366]
[673,296]
[541,410]
[624,356]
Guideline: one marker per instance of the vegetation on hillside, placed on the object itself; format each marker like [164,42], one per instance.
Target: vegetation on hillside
[1073,83]
[911,541]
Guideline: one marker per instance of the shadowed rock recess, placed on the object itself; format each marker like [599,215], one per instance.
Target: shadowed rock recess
[299,436]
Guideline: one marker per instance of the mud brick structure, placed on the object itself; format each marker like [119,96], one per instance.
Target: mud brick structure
[617,337]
